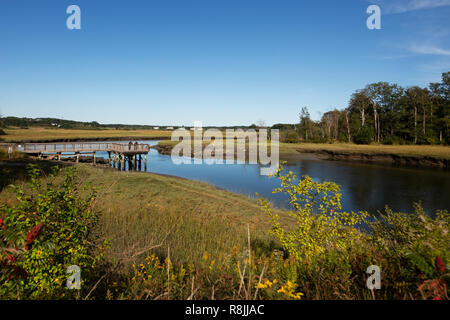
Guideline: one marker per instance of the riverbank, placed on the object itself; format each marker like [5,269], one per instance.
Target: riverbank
[173,238]
[415,156]
[142,208]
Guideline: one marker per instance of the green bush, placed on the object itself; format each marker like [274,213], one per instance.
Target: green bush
[364,136]
[412,246]
[320,221]
[319,140]
[46,230]
[292,137]
[329,251]
[392,141]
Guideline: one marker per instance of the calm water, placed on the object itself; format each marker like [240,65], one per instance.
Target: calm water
[364,186]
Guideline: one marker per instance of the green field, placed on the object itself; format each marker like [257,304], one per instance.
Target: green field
[35,134]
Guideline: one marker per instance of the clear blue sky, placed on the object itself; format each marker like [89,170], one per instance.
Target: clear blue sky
[223,62]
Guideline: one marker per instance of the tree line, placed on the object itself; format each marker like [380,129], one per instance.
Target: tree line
[383,113]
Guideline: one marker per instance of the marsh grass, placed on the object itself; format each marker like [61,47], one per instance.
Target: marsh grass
[440,152]
[54,134]
[288,150]
[139,210]
[189,217]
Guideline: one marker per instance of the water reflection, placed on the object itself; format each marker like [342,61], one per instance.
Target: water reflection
[364,186]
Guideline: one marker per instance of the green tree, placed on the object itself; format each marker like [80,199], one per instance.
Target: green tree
[440,95]
[305,124]
[384,99]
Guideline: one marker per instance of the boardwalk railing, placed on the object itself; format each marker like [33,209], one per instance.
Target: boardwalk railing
[124,148]
[84,147]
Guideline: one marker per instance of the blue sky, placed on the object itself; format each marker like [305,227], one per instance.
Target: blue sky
[222,62]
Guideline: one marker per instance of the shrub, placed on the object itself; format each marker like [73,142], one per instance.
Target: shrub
[432,140]
[48,229]
[392,141]
[320,221]
[342,137]
[364,136]
[292,137]
[319,140]
[329,251]
[416,248]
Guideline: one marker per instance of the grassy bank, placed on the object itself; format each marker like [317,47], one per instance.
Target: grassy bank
[139,210]
[171,238]
[439,152]
[54,134]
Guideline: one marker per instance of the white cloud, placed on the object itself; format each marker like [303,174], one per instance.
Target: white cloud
[402,6]
[436,67]
[429,49]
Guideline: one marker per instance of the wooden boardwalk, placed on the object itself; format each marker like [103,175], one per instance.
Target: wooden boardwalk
[81,147]
[118,153]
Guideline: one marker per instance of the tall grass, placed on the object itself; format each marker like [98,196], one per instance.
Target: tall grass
[49,134]
[141,210]
[173,238]
[291,149]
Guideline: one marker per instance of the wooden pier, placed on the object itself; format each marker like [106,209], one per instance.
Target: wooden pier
[119,154]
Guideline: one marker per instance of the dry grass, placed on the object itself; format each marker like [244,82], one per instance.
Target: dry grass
[288,150]
[441,152]
[49,134]
[193,217]
[142,209]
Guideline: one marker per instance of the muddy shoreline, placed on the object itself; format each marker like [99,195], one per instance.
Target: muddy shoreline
[392,159]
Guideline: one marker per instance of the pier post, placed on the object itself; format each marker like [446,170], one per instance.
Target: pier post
[94,158]
[77,154]
[59,156]
[145,162]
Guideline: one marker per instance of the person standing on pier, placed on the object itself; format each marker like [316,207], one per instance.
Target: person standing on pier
[129,145]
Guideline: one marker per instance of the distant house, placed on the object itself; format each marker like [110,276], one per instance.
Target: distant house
[156,128]
[169,128]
